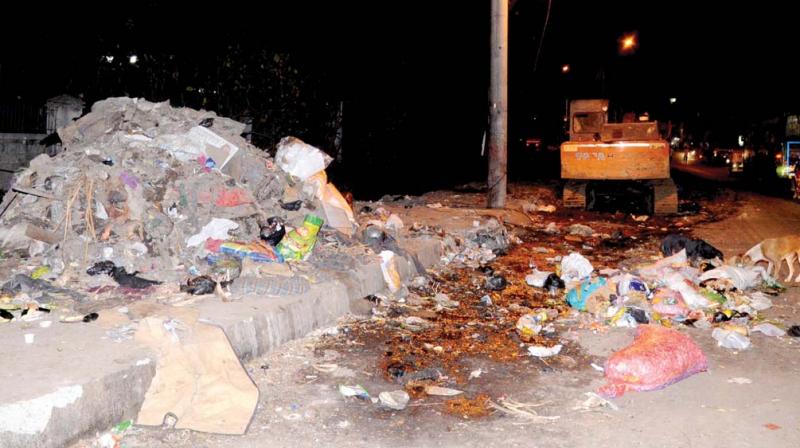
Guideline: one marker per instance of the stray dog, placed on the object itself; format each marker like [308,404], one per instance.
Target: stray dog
[695,249]
[775,251]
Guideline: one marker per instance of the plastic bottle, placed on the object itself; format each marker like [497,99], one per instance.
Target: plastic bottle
[299,242]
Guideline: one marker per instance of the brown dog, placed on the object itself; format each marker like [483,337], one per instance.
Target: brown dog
[775,251]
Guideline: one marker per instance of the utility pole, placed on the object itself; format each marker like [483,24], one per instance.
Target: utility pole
[498,106]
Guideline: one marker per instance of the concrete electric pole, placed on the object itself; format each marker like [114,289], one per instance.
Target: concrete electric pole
[498,106]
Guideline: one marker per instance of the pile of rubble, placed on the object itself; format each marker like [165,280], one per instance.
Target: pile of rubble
[150,194]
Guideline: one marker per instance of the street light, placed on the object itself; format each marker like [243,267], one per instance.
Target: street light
[673,100]
[565,68]
[628,43]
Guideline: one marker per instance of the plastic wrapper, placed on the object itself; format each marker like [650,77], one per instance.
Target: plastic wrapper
[669,303]
[256,251]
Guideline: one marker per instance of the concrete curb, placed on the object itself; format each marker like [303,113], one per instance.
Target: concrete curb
[73,382]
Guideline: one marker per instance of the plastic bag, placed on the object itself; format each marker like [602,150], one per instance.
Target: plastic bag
[769,330]
[576,297]
[669,303]
[389,270]
[658,357]
[216,229]
[537,278]
[659,269]
[300,159]
[575,267]
[742,278]
[730,339]
[691,296]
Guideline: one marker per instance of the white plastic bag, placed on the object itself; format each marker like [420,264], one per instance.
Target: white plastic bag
[769,330]
[217,229]
[300,159]
[544,352]
[688,291]
[537,278]
[742,278]
[730,339]
[575,267]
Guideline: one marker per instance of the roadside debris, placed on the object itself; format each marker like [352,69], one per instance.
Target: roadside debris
[544,352]
[396,400]
[354,391]
[580,230]
[731,338]
[594,401]
[523,411]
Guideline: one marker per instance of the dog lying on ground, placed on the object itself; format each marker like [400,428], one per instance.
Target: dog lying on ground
[695,249]
[775,251]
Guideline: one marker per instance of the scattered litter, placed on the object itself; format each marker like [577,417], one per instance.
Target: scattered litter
[580,230]
[740,380]
[120,275]
[768,329]
[274,231]
[354,391]
[113,438]
[29,338]
[578,297]
[216,229]
[730,339]
[575,267]
[394,223]
[529,325]
[297,244]
[794,331]
[442,391]
[443,300]
[389,269]
[496,283]
[544,352]
[291,206]
[522,411]
[594,401]
[396,400]
[325,368]
[199,285]
[475,373]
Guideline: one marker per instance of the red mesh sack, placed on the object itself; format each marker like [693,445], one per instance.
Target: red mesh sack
[657,358]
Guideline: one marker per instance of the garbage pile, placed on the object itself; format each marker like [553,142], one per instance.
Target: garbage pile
[148,195]
[677,289]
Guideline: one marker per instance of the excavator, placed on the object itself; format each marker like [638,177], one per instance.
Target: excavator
[598,151]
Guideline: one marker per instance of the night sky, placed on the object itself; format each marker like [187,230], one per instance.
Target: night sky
[413,75]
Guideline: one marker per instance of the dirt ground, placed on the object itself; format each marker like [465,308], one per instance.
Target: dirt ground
[745,399]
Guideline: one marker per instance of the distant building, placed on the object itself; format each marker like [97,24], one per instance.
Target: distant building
[27,131]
